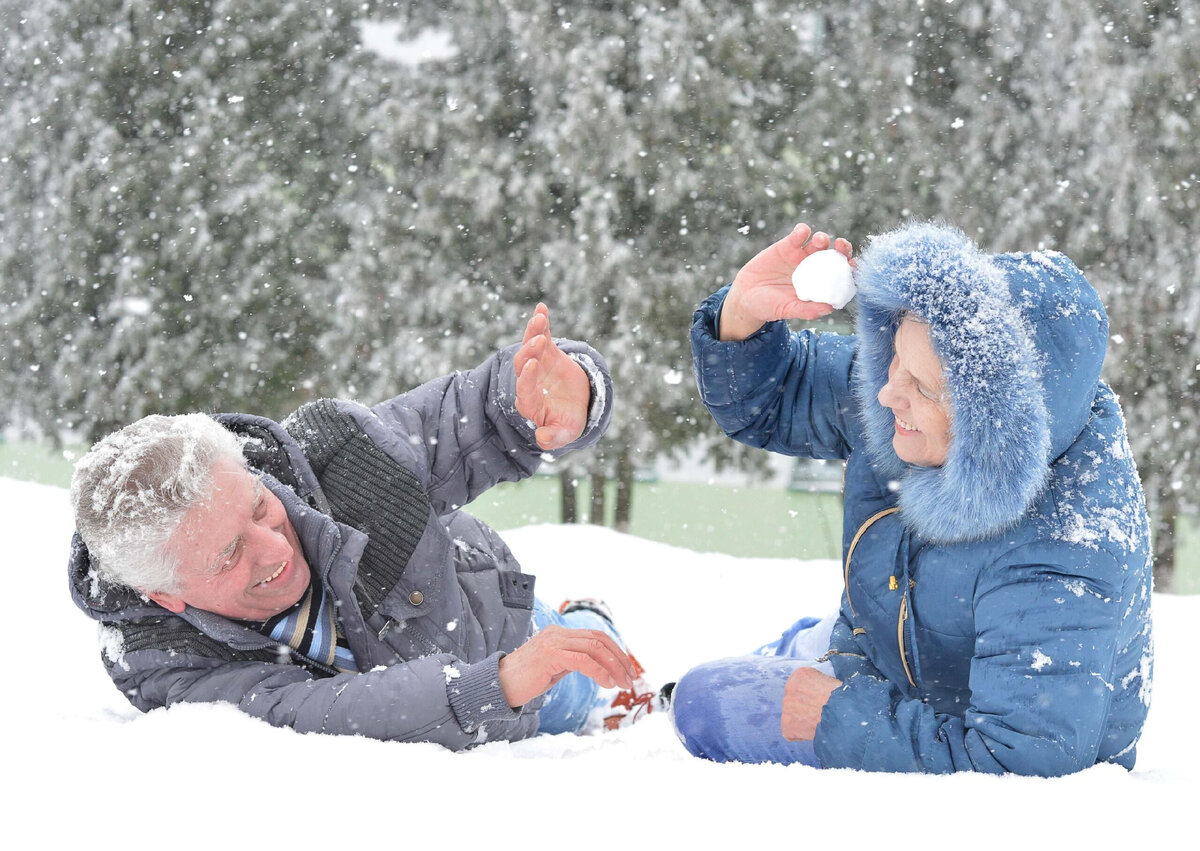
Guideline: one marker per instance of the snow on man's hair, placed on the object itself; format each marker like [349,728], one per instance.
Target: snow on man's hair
[133,489]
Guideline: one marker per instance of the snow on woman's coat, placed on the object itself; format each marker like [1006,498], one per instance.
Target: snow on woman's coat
[996,614]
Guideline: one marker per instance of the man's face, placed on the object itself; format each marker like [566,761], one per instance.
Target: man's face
[238,553]
[916,393]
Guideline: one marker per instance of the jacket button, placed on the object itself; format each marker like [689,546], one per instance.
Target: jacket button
[416,598]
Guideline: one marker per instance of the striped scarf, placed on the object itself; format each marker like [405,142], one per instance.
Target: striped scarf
[311,629]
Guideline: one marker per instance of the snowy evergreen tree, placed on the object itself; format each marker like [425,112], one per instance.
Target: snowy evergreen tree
[170,184]
[211,204]
[1036,124]
[1144,243]
[617,160]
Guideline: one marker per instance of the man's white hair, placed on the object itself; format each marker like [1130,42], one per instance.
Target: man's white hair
[133,489]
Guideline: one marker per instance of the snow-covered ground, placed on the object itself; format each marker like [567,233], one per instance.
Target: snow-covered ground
[84,767]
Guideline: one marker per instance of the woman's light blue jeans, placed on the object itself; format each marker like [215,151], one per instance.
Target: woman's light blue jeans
[730,710]
[569,702]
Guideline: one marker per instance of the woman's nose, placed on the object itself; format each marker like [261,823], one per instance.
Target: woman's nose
[887,394]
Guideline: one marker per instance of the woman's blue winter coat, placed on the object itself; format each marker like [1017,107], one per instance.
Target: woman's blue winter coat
[996,613]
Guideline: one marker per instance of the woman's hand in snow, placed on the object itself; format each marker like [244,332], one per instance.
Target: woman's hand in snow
[552,390]
[763,291]
[553,652]
[804,697]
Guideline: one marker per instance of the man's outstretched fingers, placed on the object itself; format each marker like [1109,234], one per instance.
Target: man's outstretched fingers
[529,401]
[587,665]
[607,653]
[537,328]
[538,324]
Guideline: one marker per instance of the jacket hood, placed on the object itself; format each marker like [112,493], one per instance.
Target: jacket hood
[1022,339]
[101,600]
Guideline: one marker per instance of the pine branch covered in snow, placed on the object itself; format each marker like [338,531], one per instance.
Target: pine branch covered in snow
[225,204]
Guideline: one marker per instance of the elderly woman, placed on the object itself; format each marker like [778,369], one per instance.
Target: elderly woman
[996,613]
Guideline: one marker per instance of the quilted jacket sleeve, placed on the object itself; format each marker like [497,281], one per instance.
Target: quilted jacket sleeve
[1041,682]
[462,433]
[846,656]
[435,699]
[789,393]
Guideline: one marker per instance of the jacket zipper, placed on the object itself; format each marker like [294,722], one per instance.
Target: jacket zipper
[854,543]
[313,663]
[900,639]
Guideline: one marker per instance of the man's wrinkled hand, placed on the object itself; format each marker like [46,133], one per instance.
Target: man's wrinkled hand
[804,697]
[553,391]
[552,653]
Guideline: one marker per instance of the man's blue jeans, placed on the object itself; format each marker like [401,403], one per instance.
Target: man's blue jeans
[730,710]
[568,703]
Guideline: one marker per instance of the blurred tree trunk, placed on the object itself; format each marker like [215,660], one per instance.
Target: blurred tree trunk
[624,492]
[596,514]
[1163,533]
[567,489]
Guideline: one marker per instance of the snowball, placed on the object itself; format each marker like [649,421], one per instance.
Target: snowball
[824,276]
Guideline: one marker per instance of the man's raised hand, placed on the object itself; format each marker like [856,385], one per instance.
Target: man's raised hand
[552,390]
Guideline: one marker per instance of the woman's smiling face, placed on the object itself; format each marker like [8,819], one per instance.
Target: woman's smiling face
[917,396]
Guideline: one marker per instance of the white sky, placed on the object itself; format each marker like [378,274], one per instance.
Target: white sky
[384,39]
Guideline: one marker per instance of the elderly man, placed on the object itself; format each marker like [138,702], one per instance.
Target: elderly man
[318,573]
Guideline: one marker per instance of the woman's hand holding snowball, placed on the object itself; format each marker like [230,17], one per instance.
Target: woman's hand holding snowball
[763,290]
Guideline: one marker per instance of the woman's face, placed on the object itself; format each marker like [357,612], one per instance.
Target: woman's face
[916,393]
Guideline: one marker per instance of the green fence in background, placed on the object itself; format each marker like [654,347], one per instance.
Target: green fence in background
[767,522]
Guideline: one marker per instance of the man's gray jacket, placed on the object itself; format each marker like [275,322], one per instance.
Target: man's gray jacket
[428,597]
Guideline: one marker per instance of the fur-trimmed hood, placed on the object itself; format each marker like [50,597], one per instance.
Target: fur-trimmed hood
[1022,338]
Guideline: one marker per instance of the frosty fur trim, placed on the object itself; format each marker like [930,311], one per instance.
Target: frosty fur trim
[1000,433]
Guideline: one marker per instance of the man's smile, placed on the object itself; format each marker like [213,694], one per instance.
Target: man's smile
[274,575]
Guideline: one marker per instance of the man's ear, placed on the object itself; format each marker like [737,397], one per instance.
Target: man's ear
[168,601]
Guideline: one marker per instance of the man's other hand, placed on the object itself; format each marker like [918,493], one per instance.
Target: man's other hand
[552,390]
[539,663]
